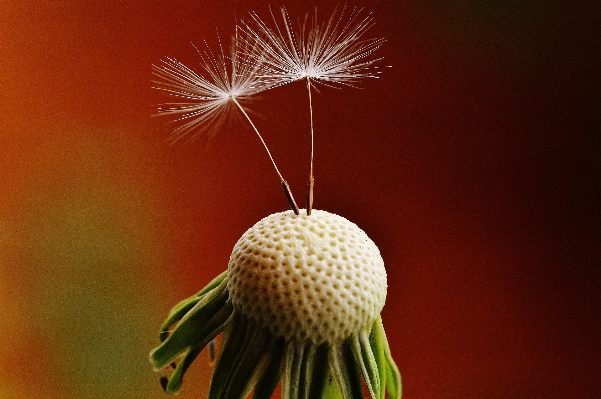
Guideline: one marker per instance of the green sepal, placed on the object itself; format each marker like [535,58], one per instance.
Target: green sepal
[393,376]
[314,372]
[195,327]
[291,378]
[331,390]
[366,361]
[174,382]
[244,375]
[179,310]
[236,332]
[345,371]
[176,314]
[212,284]
[270,376]
[217,323]
[390,378]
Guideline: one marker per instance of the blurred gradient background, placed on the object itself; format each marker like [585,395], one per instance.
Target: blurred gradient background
[473,163]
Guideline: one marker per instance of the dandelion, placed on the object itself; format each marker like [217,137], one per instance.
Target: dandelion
[206,98]
[334,53]
[299,304]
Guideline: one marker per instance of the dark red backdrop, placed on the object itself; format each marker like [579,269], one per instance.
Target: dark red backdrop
[473,163]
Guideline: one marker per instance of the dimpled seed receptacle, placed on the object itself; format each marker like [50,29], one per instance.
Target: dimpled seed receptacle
[317,277]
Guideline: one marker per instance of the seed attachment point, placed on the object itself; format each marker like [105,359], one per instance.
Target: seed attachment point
[289,196]
[310,195]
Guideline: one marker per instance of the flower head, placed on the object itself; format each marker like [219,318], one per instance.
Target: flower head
[300,304]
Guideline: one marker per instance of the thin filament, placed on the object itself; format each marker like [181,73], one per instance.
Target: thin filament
[258,134]
[311,117]
[311,180]
[285,185]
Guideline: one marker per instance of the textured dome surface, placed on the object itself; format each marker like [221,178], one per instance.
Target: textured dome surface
[317,277]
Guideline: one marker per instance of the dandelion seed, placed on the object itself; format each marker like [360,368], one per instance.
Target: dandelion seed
[207,97]
[334,53]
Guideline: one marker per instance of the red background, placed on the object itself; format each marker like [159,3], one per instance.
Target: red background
[473,163]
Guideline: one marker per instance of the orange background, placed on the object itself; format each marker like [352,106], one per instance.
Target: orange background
[473,163]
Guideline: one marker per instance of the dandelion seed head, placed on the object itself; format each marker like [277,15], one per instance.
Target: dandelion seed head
[300,301]
[305,257]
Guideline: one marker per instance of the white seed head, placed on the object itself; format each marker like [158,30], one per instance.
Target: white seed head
[318,278]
